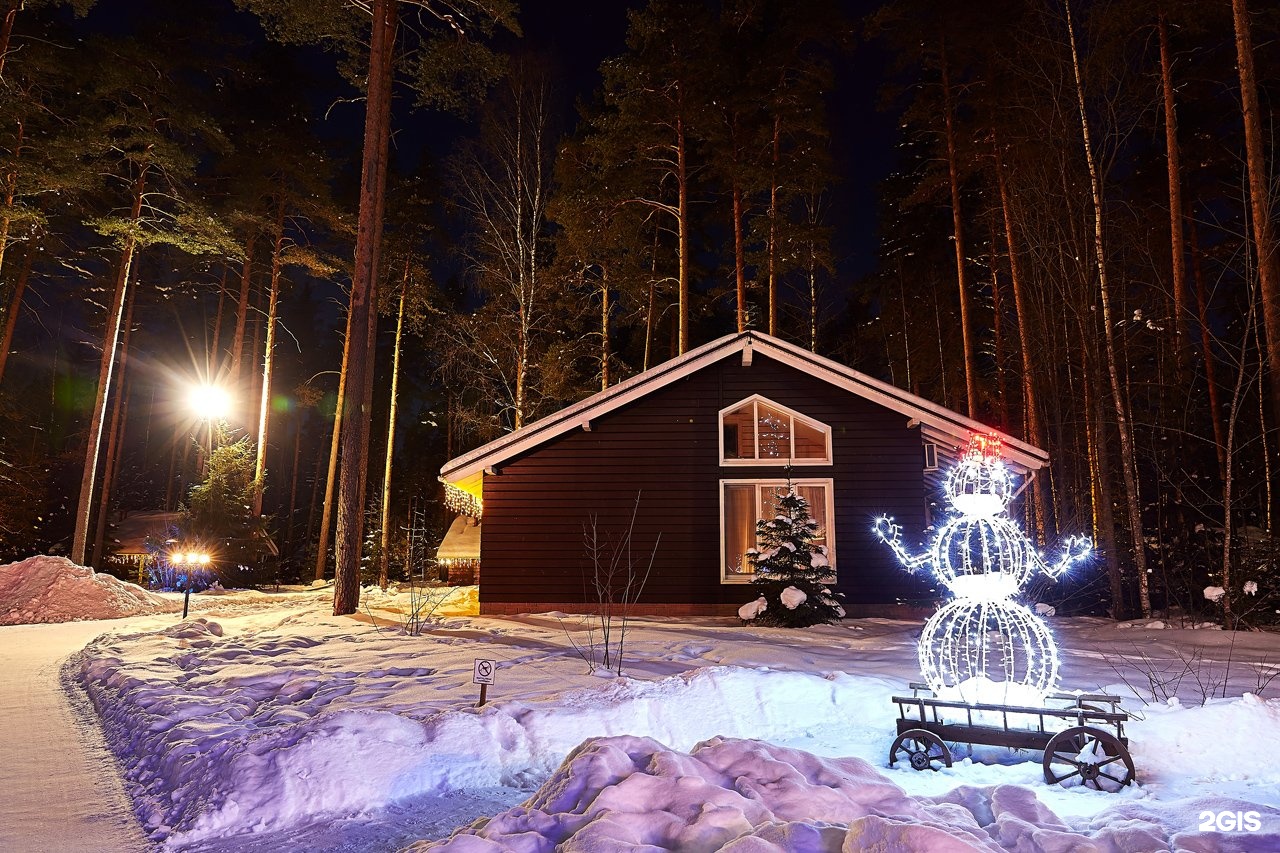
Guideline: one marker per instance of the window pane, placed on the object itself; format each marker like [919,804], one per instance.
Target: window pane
[739,526]
[811,443]
[775,433]
[816,496]
[739,435]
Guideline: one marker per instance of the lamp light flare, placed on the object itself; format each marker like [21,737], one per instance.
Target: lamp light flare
[209,402]
[983,558]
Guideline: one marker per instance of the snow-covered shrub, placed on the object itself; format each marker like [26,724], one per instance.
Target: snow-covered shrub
[793,575]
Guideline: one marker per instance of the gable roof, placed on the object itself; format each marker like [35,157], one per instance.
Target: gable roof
[950,430]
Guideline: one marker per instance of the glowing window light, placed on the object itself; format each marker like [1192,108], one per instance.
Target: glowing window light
[983,558]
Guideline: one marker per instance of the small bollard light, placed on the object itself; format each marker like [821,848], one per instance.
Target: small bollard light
[191,559]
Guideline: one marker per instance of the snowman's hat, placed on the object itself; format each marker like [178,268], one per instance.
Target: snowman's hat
[980,484]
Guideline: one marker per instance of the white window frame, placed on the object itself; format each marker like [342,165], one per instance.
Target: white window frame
[930,456]
[756,400]
[826,482]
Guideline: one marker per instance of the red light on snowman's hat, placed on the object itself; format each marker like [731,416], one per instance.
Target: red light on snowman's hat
[984,447]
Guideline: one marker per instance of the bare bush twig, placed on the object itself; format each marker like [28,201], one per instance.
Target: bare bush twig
[614,584]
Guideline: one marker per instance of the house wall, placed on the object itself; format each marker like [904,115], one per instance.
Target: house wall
[665,449]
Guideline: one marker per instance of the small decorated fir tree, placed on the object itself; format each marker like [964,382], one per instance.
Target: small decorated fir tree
[793,575]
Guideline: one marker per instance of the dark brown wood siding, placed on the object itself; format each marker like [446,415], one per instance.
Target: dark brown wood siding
[664,449]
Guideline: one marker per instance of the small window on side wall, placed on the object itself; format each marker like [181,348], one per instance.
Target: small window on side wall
[758,431]
[930,456]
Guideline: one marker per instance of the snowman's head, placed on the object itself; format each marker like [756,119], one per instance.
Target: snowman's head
[980,486]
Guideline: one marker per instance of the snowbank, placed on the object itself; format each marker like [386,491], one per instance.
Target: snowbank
[743,796]
[54,589]
[292,717]
[228,744]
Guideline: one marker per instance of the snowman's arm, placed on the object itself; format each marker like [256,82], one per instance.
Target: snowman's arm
[1075,549]
[890,533]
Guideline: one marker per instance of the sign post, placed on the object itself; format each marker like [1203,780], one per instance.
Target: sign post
[482,674]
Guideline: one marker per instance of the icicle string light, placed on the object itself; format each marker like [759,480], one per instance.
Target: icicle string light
[463,503]
[982,646]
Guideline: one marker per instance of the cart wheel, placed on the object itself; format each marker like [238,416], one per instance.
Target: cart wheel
[1087,756]
[922,748]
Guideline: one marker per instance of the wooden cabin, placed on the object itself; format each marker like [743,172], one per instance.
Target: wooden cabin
[696,447]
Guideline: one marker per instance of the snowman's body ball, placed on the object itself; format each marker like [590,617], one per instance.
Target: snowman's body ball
[992,546]
[993,651]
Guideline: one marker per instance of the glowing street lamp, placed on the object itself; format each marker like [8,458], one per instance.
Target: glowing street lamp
[209,403]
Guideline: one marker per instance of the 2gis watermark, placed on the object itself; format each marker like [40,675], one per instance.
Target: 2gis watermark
[1230,821]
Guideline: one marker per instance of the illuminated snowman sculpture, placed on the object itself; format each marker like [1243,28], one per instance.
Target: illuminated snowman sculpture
[983,647]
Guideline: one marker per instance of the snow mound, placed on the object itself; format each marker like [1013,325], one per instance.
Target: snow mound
[746,796]
[54,589]
[727,794]
[793,598]
[752,609]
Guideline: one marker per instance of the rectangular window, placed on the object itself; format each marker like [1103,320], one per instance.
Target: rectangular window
[744,502]
[930,456]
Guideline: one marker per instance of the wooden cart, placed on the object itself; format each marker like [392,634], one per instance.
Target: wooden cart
[1082,737]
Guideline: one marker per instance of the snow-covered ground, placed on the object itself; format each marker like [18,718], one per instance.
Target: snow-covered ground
[59,789]
[269,716]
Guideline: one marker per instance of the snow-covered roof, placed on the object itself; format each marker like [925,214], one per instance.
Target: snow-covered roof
[950,430]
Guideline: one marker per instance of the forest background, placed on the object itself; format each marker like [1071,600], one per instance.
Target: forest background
[1056,217]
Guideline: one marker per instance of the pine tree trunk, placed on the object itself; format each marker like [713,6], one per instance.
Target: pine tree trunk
[813,304]
[215,361]
[268,359]
[1206,345]
[110,343]
[384,534]
[353,465]
[1100,486]
[649,318]
[1177,245]
[1128,461]
[15,306]
[255,376]
[682,233]
[773,226]
[739,261]
[957,220]
[291,528]
[1268,481]
[997,334]
[1035,433]
[331,472]
[11,9]
[10,189]
[311,507]
[1264,236]
[522,366]
[1228,480]
[605,309]
[242,312]
[115,434]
